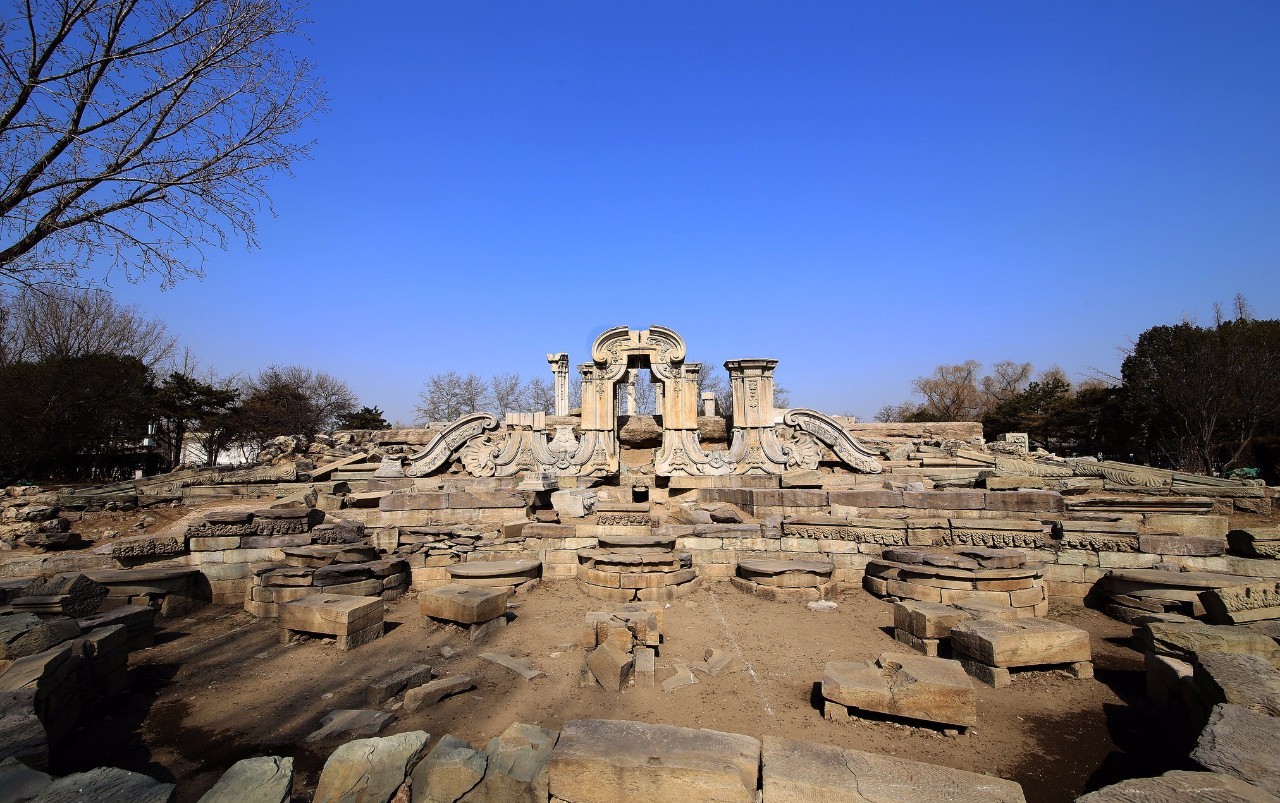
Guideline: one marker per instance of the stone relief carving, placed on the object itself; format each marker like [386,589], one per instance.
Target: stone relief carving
[827,430]
[1031,468]
[443,447]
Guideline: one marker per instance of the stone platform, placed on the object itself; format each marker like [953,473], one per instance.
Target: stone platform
[804,580]
[1134,592]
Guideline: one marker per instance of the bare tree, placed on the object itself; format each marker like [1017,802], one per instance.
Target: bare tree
[134,131]
[951,392]
[540,395]
[1007,380]
[447,396]
[44,322]
[507,394]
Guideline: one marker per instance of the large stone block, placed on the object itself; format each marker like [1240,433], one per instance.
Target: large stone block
[369,770]
[1241,743]
[449,771]
[1185,640]
[1197,545]
[517,768]
[912,686]
[610,761]
[1020,642]
[1244,680]
[465,604]
[1026,502]
[945,500]
[1177,786]
[331,614]
[266,779]
[1180,524]
[800,772]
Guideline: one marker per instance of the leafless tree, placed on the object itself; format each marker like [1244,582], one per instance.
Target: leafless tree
[133,132]
[540,395]
[43,322]
[292,400]
[507,394]
[951,392]
[1006,380]
[447,396]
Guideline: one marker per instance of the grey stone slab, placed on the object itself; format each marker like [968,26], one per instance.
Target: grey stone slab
[370,770]
[266,779]
[1241,743]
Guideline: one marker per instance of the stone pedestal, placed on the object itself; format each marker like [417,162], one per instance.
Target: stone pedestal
[353,620]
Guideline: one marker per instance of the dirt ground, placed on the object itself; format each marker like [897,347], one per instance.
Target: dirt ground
[219,686]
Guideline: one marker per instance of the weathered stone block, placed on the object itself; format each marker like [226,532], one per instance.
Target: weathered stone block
[369,770]
[465,604]
[331,614]
[608,760]
[800,772]
[1020,642]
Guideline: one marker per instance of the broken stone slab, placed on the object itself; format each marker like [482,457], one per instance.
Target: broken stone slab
[520,666]
[927,620]
[1178,786]
[80,595]
[1241,743]
[350,722]
[106,783]
[611,665]
[574,503]
[1245,680]
[465,604]
[517,769]
[24,634]
[22,735]
[18,782]
[714,663]
[370,770]
[800,772]
[912,686]
[429,694]
[395,683]
[1184,640]
[683,677]
[451,770]
[643,675]
[1241,604]
[1255,543]
[608,761]
[265,779]
[1020,642]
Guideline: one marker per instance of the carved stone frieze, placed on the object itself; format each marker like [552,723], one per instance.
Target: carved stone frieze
[828,431]
[995,539]
[445,445]
[1010,466]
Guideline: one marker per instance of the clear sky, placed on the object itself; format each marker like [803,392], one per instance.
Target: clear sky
[861,190]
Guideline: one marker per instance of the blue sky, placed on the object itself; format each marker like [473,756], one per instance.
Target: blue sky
[859,190]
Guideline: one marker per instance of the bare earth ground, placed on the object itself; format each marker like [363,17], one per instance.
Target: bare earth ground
[219,687]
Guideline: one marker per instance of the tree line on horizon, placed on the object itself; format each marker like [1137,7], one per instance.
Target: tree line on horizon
[1201,399]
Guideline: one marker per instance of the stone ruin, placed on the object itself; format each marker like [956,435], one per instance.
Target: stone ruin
[966,546]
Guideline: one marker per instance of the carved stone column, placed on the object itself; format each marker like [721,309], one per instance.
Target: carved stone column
[752,384]
[708,403]
[560,369]
[631,392]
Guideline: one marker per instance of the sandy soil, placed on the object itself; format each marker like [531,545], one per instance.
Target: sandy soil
[219,686]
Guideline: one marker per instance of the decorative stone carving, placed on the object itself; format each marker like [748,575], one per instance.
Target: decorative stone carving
[828,431]
[445,445]
[1009,466]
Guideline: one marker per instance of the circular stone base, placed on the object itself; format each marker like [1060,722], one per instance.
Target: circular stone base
[497,573]
[785,594]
